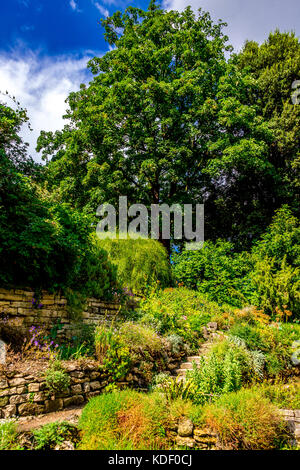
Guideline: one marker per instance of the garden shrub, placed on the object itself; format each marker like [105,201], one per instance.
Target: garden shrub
[81,344]
[118,348]
[276,261]
[274,340]
[179,311]
[57,380]
[228,366]
[140,262]
[215,270]
[245,420]
[176,342]
[112,352]
[174,387]
[8,436]
[124,420]
[52,434]
[283,395]
[136,335]
[46,244]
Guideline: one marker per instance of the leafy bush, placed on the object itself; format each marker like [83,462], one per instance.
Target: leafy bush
[274,340]
[136,335]
[227,367]
[112,352]
[215,270]
[52,434]
[43,243]
[176,342]
[126,420]
[276,274]
[8,436]
[283,395]
[47,245]
[140,262]
[245,420]
[179,311]
[57,380]
[174,388]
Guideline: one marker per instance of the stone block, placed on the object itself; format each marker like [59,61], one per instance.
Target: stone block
[53,405]
[185,441]
[17,399]
[34,387]
[3,401]
[17,381]
[3,383]
[76,388]
[95,375]
[185,427]
[39,396]
[72,401]
[95,385]
[2,352]
[9,411]
[27,409]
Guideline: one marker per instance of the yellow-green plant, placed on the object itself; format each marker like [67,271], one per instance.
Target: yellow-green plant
[140,262]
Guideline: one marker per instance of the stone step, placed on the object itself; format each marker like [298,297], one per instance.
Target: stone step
[181,372]
[186,365]
[196,359]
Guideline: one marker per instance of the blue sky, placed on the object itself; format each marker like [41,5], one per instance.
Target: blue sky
[56,27]
[45,44]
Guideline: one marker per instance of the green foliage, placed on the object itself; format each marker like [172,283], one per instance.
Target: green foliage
[276,274]
[176,342]
[52,434]
[112,352]
[57,380]
[174,388]
[136,335]
[43,243]
[283,395]
[8,436]
[245,420]
[166,119]
[179,311]
[82,343]
[125,420]
[268,276]
[274,340]
[227,367]
[47,245]
[275,66]
[140,263]
[215,270]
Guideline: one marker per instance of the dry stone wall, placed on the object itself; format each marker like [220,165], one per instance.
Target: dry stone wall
[292,417]
[24,393]
[21,307]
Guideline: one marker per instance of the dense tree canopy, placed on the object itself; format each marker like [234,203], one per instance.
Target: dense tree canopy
[167,119]
[43,244]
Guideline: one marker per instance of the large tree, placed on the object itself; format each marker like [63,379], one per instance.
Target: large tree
[166,119]
[275,65]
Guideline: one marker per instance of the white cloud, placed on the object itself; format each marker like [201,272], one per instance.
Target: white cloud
[252,20]
[103,11]
[41,85]
[74,6]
